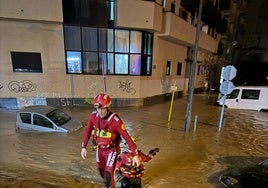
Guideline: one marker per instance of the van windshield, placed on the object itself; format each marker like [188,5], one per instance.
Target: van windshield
[234,94]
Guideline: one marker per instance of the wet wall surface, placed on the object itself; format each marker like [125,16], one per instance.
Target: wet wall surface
[194,159]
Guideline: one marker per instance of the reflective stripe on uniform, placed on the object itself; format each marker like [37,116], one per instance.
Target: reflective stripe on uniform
[111,159]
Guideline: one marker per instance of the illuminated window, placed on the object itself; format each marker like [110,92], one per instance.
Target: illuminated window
[74,62]
[121,64]
[93,46]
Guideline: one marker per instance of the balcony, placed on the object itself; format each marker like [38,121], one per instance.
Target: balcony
[177,30]
[145,15]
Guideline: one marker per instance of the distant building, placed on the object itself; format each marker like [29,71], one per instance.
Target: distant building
[62,53]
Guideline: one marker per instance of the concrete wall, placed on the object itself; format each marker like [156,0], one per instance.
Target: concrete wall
[36,26]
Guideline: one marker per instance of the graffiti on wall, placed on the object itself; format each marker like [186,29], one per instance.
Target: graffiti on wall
[126,86]
[62,99]
[1,86]
[21,86]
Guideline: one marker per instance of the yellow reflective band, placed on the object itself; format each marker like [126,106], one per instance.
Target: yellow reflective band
[104,134]
[123,126]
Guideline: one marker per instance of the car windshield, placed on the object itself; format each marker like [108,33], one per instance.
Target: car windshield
[58,117]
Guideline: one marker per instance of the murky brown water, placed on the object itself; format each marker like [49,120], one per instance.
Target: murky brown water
[193,159]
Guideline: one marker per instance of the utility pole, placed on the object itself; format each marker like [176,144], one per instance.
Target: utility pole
[192,73]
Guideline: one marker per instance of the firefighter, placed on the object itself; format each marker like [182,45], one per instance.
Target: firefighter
[107,128]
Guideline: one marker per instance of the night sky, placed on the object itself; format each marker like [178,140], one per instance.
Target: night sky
[251,73]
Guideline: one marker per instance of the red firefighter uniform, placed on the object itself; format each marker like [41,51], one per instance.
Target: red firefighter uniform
[106,134]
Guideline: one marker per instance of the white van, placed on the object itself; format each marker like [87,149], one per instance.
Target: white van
[247,97]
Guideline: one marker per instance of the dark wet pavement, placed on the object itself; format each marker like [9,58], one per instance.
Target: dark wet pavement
[194,159]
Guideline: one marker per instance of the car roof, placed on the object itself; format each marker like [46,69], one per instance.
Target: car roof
[41,109]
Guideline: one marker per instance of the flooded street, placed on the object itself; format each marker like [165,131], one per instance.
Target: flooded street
[187,160]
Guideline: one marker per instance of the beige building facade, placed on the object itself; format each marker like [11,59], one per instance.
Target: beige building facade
[37,26]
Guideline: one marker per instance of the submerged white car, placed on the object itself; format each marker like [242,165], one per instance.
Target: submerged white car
[46,119]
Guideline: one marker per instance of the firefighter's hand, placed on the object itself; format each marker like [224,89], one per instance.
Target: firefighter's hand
[136,161]
[84,153]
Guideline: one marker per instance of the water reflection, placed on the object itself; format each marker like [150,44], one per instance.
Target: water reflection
[185,160]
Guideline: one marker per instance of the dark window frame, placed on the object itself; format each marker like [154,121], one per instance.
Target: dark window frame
[26,62]
[168,68]
[145,54]
[179,68]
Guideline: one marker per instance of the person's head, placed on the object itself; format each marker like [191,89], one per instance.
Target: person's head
[102,103]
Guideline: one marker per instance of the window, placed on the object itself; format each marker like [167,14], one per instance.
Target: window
[234,94]
[25,117]
[168,68]
[106,61]
[74,62]
[201,70]
[90,62]
[89,39]
[94,46]
[106,40]
[58,117]
[250,94]
[72,38]
[42,121]
[26,62]
[135,64]
[135,41]
[179,67]
[190,52]
[121,42]
[121,64]
[107,51]
[198,69]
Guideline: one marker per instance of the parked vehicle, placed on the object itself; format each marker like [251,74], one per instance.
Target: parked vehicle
[247,97]
[250,177]
[46,119]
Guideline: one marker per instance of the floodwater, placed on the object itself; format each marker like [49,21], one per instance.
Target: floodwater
[187,160]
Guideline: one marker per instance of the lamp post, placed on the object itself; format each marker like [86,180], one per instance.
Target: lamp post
[193,67]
